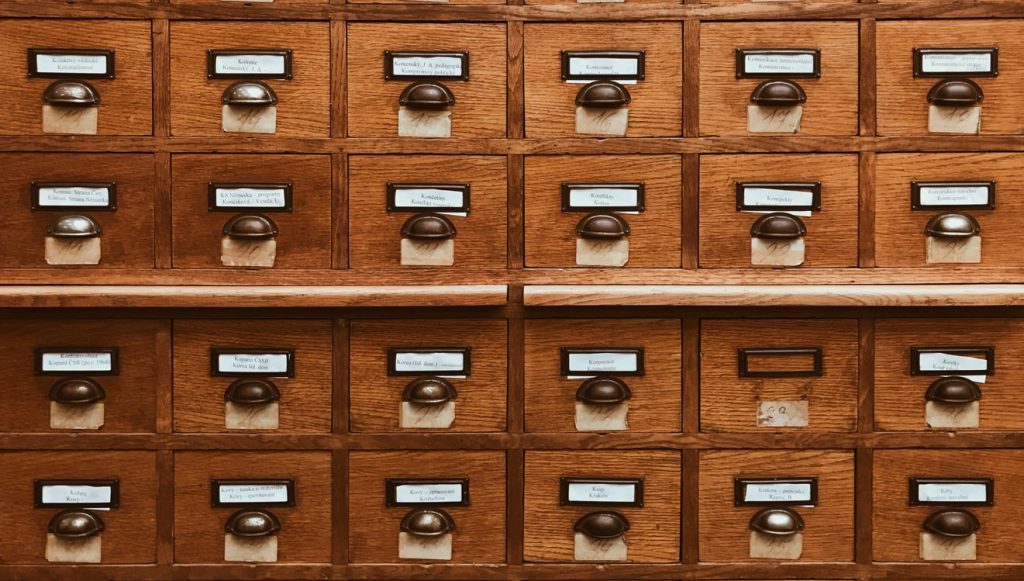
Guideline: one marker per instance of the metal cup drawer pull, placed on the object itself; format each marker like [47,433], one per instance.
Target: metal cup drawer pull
[778,94]
[427,522]
[252,523]
[953,390]
[429,391]
[776,104]
[602,525]
[71,94]
[602,399]
[75,524]
[252,391]
[428,227]
[73,226]
[249,94]
[427,95]
[603,391]
[603,95]
[956,93]
[601,226]
[782,522]
[956,524]
[76,391]
[778,226]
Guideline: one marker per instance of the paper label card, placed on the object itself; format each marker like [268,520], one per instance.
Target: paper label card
[599,361]
[593,65]
[233,197]
[56,63]
[952,491]
[775,491]
[956,62]
[435,197]
[249,64]
[245,362]
[609,197]
[794,197]
[976,361]
[77,493]
[69,361]
[71,196]
[952,195]
[433,492]
[428,361]
[410,65]
[274,492]
[601,491]
[791,63]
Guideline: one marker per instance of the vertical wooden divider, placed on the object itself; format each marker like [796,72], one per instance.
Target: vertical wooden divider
[339,58]
[690,219]
[691,77]
[161,48]
[340,429]
[340,210]
[866,209]
[690,502]
[864,454]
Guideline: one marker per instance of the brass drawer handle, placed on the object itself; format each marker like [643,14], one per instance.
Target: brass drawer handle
[778,226]
[252,523]
[599,226]
[427,95]
[953,389]
[780,522]
[603,95]
[250,227]
[77,391]
[429,390]
[252,391]
[952,523]
[952,226]
[428,227]
[602,525]
[73,226]
[778,94]
[71,94]
[603,390]
[75,524]
[249,94]
[956,93]
[427,522]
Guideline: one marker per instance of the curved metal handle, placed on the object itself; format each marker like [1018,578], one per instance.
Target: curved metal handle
[429,390]
[956,93]
[252,522]
[953,389]
[952,226]
[250,227]
[252,391]
[249,94]
[73,226]
[598,226]
[778,94]
[428,227]
[71,94]
[427,95]
[77,391]
[952,523]
[605,524]
[75,524]
[778,226]
[780,522]
[603,95]
[603,390]
[427,522]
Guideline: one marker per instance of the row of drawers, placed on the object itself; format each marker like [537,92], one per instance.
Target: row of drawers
[596,375]
[453,210]
[645,60]
[643,488]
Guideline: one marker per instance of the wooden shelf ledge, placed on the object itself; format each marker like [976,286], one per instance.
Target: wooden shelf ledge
[866,295]
[41,296]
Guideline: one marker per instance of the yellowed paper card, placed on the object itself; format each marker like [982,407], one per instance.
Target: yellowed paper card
[953,251]
[73,251]
[70,120]
[774,119]
[961,120]
[413,123]
[601,418]
[597,121]
[421,253]
[84,550]
[261,416]
[248,119]
[76,417]
[588,549]
[782,414]
[939,548]
[764,546]
[253,253]
[250,549]
[957,415]
[427,548]
[776,252]
[602,253]
[437,416]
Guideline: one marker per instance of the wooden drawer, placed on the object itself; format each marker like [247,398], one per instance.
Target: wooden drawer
[778,374]
[654,238]
[653,535]
[293,356]
[378,508]
[655,108]
[302,90]
[831,98]
[898,525]
[130,362]
[302,214]
[903,98]
[904,396]
[373,101]
[305,527]
[901,239]
[413,185]
[561,399]
[274,1]
[115,192]
[125,105]
[730,180]
[129,534]
[469,355]
[725,527]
